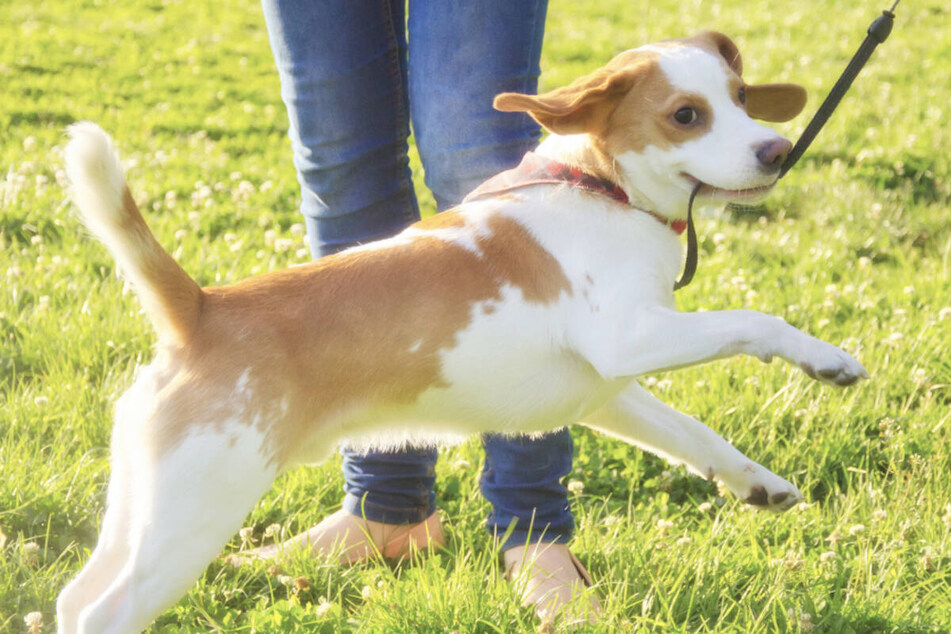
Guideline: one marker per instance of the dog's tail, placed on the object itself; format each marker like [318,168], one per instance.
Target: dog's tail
[170,297]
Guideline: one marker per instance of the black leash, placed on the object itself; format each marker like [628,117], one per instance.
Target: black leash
[878,32]
[690,266]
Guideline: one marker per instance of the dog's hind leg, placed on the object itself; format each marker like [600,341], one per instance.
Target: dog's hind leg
[640,419]
[192,499]
[111,550]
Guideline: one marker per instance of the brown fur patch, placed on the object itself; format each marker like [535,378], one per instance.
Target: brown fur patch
[449,219]
[356,329]
[170,297]
[643,116]
[517,258]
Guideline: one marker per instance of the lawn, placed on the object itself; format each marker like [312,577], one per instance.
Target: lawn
[854,247]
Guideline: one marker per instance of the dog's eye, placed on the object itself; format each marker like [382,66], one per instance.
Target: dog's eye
[685,116]
[741,95]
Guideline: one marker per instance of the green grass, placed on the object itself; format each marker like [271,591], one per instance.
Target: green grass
[854,247]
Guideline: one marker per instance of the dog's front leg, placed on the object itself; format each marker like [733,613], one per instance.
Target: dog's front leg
[658,339]
[635,416]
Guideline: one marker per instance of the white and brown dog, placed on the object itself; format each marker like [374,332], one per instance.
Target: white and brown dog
[535,304]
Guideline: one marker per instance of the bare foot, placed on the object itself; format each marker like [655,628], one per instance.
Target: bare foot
[547,576]
[357,539]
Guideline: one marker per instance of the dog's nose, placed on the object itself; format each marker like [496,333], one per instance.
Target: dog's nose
[771,154]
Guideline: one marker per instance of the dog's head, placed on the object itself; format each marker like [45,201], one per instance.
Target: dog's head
[673,114]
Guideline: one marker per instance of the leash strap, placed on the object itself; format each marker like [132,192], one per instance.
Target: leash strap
[690,266]
[877,33]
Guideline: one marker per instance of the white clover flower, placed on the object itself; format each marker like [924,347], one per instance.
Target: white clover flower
[805,622]
[827,556]
[856,529]
[243,191]
[273,531]
[323,607]
[576,487]
[247,536]
[34,622]
[31,554]
[792,561]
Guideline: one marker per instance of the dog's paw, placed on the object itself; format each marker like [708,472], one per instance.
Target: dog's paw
[824,362]
[758,486]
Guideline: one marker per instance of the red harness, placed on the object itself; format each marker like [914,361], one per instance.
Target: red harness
[539,170]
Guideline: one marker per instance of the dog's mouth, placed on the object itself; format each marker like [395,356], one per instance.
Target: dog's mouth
[712,191]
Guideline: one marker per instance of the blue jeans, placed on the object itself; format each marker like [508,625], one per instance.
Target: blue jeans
[354,75]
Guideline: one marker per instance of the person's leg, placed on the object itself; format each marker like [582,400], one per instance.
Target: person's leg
[342,67]
[460,56]
[521,478]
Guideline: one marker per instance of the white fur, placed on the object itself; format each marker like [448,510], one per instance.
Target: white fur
[96,179]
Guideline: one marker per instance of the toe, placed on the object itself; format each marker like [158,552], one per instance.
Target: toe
[757,496]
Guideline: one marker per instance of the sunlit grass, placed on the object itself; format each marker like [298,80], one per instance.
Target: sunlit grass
[854,247]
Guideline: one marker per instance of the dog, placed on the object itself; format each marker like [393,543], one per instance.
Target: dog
[533,305]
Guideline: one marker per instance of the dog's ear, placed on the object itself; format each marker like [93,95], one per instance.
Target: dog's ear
[582,106]
[775,102]
[725,47]
[769,102]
